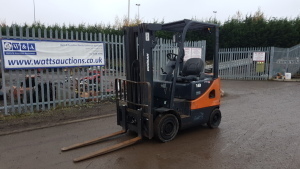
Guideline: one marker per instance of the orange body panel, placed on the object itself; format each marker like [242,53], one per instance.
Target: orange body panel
[204,100]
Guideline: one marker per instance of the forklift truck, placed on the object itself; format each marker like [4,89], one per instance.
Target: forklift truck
[183,96]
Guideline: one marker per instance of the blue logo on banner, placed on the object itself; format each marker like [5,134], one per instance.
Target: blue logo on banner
[7,46]
[31,46]
[15,48]
[24,46]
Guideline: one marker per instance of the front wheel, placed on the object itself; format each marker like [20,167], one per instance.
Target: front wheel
[214,119]
[166,127]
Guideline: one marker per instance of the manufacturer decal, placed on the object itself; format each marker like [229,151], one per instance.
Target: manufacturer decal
[148,66]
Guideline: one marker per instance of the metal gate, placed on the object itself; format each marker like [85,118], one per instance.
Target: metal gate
[238,63]
[285,60]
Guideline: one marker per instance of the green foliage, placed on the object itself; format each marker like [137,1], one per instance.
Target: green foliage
[257,31]
[58,31]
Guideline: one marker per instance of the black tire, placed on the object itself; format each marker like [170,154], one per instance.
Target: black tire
[214,119]
[166,127]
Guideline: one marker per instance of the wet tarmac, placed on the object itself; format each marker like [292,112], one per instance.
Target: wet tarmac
[260,128]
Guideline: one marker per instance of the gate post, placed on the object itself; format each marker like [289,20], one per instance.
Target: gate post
[249,65]
[271,63]
[3,82]
[231,65]
[287,58]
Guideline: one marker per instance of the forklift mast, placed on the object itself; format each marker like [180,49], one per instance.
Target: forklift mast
[137,89]
[139,41]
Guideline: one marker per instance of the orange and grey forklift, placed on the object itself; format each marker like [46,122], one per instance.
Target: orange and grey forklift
[183,97]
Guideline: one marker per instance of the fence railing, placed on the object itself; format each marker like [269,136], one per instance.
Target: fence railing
[29,90]
[286,60]
[237,63]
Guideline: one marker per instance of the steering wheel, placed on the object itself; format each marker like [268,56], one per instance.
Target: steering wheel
[172,56]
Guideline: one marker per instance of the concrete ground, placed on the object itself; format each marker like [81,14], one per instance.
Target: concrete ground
[259,129]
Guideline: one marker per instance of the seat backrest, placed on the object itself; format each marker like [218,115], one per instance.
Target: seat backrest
[193,66]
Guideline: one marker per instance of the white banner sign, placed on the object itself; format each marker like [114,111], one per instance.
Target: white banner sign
[259,56]
[47,54]
[192,53]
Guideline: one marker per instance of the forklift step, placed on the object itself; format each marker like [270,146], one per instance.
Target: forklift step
[93,141]
[108,149]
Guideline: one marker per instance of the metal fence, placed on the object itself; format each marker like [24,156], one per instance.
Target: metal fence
[237,63]
[285,60]
[30,90]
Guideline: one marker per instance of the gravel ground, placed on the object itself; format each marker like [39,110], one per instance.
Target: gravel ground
[56,116]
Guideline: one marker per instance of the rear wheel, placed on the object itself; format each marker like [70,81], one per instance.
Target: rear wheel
[166,127]
[214,119]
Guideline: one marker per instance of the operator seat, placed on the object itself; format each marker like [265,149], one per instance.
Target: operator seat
[192,70]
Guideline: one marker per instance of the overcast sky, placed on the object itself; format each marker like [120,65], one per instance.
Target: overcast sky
[75,12]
